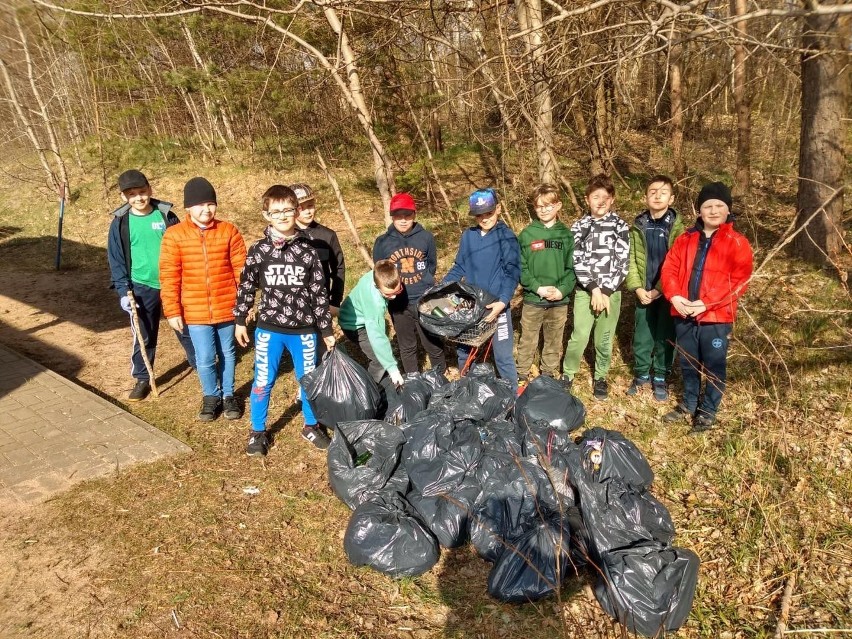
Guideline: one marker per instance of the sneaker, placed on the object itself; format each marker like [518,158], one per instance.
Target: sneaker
[567,383]
[600,390]
[316,436]
[679,414]
[258,444]
[232,408]
[210,406]
[636,386]
[661,390]
[702,422]
[522,386]
[140,391]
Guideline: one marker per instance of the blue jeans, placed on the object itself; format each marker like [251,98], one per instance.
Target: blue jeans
[216,356]
[268,349]
[502,345]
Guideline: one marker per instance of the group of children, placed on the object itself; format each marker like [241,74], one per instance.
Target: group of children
[200,276]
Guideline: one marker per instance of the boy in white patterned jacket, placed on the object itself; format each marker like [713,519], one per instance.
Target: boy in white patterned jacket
[601,252]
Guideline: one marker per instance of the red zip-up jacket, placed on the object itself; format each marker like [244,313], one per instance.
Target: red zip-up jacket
[727,269]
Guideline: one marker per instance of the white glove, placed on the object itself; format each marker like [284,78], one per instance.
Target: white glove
[396,378]
[126,304]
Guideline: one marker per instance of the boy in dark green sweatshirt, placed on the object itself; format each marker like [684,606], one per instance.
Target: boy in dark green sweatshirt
[547,277]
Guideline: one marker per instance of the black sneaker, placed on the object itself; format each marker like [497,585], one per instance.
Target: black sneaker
[567,383]
[232,408]
[661,390]
[702,422]
[316,436]
[637,385]
[679,414]
[258,444]
[210,406]
[140,391]
[600,390]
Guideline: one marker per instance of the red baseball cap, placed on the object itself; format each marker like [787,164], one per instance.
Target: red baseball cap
[402,203]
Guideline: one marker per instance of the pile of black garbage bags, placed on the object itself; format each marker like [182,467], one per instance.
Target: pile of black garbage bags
[441,464]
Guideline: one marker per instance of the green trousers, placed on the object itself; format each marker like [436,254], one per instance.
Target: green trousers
[653,339]
[585,321]
[533,320]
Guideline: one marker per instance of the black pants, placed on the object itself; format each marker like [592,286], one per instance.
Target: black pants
[150,309]
[407,331]
[362,341]
[703,350]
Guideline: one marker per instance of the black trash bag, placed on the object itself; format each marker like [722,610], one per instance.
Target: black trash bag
[448,515]
[545,400]
[405,402]
[619,516]
[340,390]
[607,454]
[535,564]
[541,440]
[364,460]
[479,396]
[439,453]
[648,589]
[500,436]
[386,534]
[434,378]
[474,300]
[514,492]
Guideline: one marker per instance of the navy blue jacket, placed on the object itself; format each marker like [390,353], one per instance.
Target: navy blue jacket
[118,243]
[414,255]
[491,261]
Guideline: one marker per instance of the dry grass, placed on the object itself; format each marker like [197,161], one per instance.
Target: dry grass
[177,548]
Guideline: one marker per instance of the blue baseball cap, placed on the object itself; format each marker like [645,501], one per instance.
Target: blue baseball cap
[483,201]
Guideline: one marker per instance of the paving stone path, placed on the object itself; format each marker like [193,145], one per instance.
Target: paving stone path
[54,433]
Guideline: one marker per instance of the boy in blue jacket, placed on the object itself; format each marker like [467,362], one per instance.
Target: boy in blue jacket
[489,258]
[410,248]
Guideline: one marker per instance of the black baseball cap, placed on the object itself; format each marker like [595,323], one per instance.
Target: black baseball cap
[131,179]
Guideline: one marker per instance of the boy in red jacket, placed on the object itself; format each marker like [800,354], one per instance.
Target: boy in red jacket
[705,273]
[200,263]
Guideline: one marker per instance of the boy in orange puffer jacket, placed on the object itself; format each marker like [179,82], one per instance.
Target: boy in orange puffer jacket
[200,263]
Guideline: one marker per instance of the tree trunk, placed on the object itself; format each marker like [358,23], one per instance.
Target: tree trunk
[381,163]
[529,18]
[822,159]
[676,95]
[742,177]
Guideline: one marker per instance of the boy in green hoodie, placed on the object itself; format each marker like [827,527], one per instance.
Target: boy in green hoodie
[362,319]
[547,277]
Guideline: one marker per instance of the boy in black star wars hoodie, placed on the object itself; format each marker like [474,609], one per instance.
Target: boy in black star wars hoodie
[411,248]
[293,309]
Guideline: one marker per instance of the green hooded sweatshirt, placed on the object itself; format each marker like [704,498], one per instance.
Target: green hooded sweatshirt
[365,308]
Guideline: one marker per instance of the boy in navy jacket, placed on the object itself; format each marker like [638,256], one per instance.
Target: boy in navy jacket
[410,248]
[489,257]
[133,251]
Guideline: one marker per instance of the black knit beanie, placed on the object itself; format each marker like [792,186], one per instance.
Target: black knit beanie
[198,191]
[714,191]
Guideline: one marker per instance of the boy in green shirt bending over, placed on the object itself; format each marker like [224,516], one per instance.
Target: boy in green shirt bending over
[362,318]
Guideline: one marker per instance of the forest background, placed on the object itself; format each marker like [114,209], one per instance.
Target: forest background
[363,98]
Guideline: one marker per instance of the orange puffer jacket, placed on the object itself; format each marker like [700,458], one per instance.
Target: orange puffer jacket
[200,270]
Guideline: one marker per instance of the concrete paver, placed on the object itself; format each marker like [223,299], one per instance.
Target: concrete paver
[53,433]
